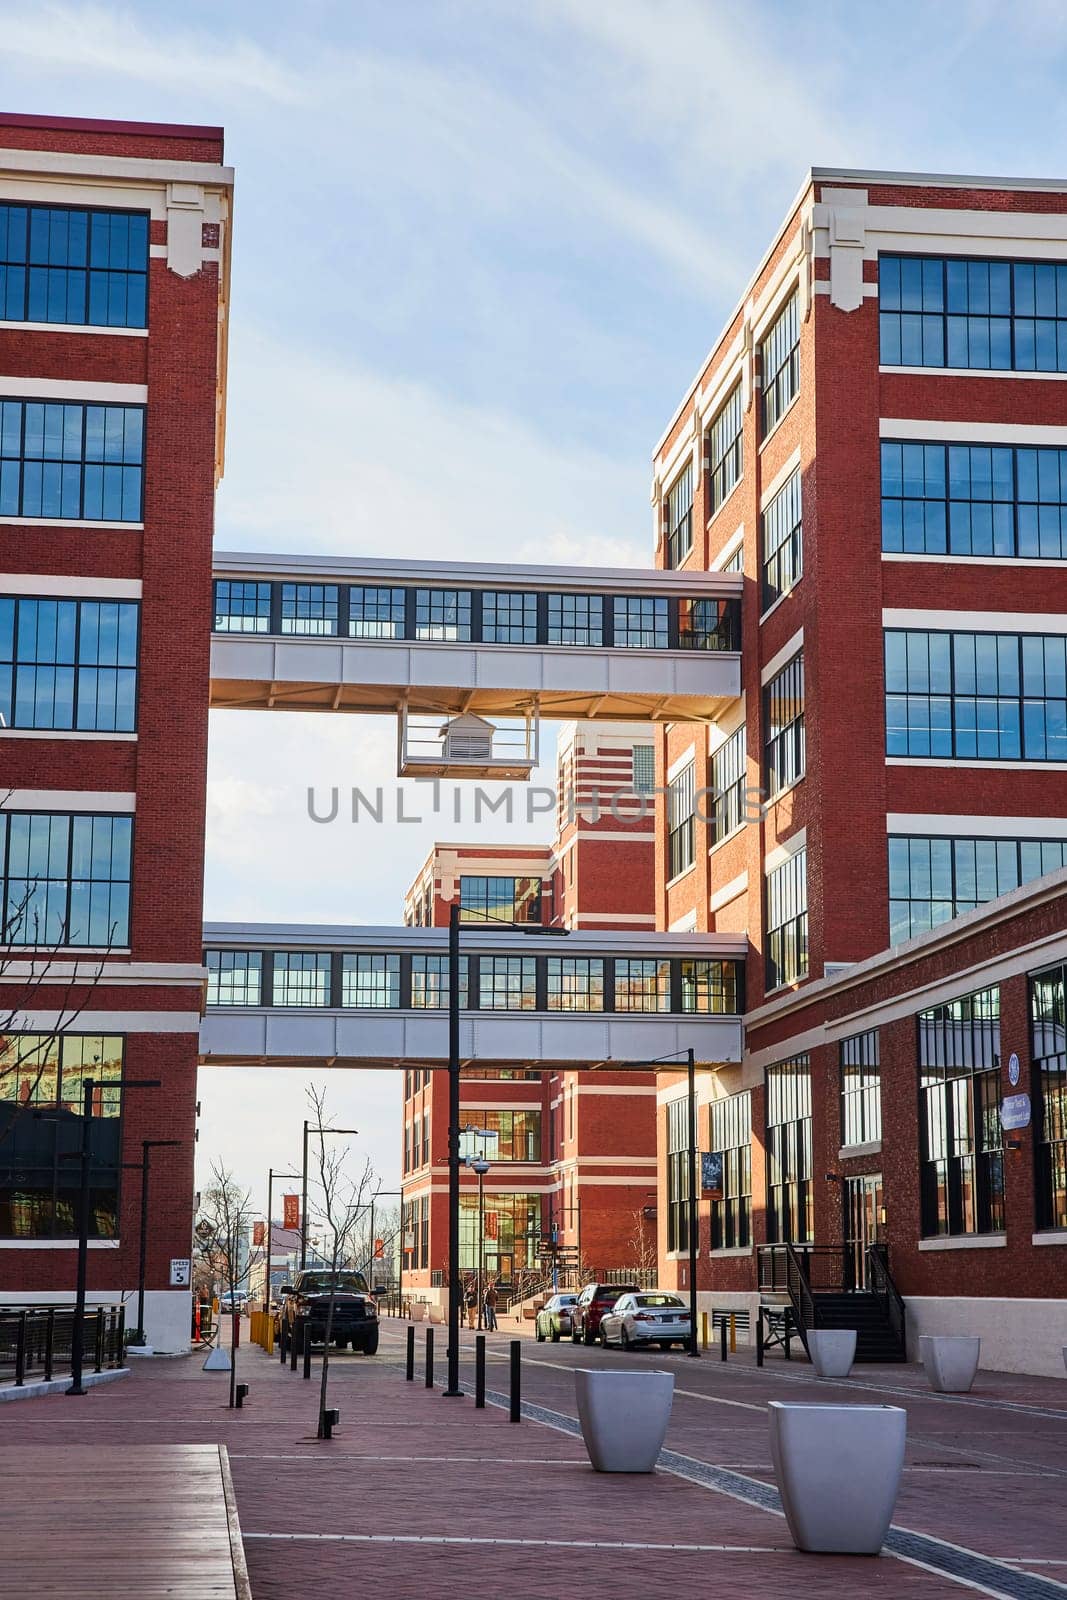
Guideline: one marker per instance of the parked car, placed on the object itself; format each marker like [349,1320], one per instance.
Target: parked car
[652,1317]
[594,1300]
[305,1305]
[229,1303]
[554,1318]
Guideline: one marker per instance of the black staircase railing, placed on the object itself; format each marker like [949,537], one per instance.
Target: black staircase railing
[880,1283]
[36,1341]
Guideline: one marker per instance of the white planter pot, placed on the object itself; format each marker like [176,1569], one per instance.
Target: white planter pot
[437,1315]
[838,1472]
[950,1360]
[832,1351]
[418,1310]
[218,1360]
[624,1417]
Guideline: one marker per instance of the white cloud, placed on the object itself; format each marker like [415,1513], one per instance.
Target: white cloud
[111,41]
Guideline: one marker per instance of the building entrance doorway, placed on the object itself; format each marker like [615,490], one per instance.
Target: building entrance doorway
[863,1214]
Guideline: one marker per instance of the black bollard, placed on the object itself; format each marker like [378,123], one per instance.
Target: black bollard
[242,1390]
[429,1358]
[759,1339]
[307,1351]
[292,1346]
[330,1419]
[479,1372]
[515,1411]
[283,1329]
[788,1326]
[723,1334]
[409,1362]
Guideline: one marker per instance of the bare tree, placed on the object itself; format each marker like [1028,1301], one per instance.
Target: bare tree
[222,1231]
[642,1253]
[338,1201]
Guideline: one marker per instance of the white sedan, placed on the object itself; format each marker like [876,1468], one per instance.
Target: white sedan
[655,1317]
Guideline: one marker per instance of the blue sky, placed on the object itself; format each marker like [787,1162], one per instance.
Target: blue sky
[479,251]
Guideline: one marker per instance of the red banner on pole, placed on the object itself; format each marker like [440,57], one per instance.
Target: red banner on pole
[379,1249]
[291,1210]
[491,1225]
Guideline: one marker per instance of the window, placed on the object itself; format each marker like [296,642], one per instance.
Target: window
[976,696]
[974,500]
[1048,1050]
[429,982]
[726,450]
[642,983]
[509,618]
[1008,316]
[507,983]
[426,1138]
[711,986]
[962,1172]
[783,711]
[301,978]
[640,622]
[407,1147]
[517,1135]
[500,899]
[234,977]
[58,264]
[511,1243]
[932,880]
[443,614]
[375,613]
[680,822]
[680,518]
[780,365]
[39,1190]
[787,921]
[783,542]
[65,879]
[728,786]
[68,664]
[241,607]
[370,980]
[644,769]
[62,462]
[736,562]
[861,1089]
[575,983]
[678,1175]
[709,624]
[731,1138]
[309,608]
[576,619]
[789,1160]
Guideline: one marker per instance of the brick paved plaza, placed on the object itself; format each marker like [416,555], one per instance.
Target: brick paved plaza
[418,1496]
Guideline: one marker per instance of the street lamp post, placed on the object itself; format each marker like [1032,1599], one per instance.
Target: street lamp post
[304,1185]
[147,1145]
[271,1175]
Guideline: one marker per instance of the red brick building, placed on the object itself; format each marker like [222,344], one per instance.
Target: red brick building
[573,1155]
[877,440]
[114,251]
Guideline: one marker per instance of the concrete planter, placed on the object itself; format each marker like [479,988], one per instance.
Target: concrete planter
[832,1351]
[437,1315]
[418,1310]
[624,1417]
[950,1360]
[218,1360]
[838,1472]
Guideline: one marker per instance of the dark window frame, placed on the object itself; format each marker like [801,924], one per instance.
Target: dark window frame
[13,667]
[780,364]
[13,466]
[790,1202]
[786,900]
[1048,1058]
[730,1137]
[94,218]
[961,1144]
[940,321]
[784,740]
[782,536]
[726,450]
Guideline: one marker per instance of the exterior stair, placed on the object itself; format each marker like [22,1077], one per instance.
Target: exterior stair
[876,1340]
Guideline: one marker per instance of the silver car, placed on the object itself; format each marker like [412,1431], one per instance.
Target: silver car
[653,1317]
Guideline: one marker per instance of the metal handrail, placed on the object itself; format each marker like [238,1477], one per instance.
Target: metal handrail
[881,1283]
[35,1340]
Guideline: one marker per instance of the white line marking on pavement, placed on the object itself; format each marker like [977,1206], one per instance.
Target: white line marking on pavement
[539,1544]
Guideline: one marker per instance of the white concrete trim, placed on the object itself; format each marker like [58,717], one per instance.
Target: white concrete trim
[686,924]
[679,764]
[851,1152]
[618,1088]
[726,725]
[70,522]
[732,545]
[45,585]
[710,401]
[69,327]
[791,647]
[67,733]
[501,1105]
[995,827]
[868,291]
[782,476]
[1020,433]
[677,879]
[78,800]
[729,1251]
[635,919]
[1052,1236]
[967,761]
[784,282]
[966,1241]
[786,850]
[1052,622]
[973,372]
[729,891]
[123,974]
[947,560]
[93,1021]
[14,388]
[125,169]
[616,1161]
[55,1244]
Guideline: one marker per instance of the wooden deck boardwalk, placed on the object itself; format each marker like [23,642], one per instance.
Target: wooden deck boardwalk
[117,1521]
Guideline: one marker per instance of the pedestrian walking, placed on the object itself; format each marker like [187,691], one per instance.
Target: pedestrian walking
[470,1300]
[490,1306]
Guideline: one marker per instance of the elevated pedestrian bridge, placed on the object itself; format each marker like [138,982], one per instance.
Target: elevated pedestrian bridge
[315,633]
[311,997]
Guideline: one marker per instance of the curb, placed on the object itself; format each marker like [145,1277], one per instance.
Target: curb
[32,1391]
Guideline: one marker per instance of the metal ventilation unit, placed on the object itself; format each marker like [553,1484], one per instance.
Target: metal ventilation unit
[466,746]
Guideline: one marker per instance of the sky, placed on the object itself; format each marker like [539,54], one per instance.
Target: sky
[480,250]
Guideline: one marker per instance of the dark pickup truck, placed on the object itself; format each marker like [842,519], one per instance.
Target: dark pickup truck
[306,1304]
